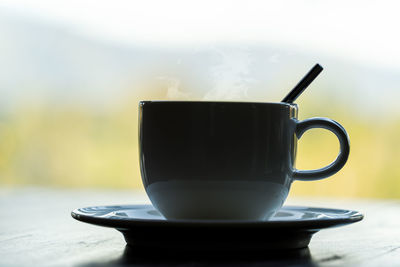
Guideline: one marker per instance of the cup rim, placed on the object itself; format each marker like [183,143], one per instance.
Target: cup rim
[141,102]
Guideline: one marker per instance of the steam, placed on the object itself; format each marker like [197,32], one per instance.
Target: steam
[174,88]
[231,78]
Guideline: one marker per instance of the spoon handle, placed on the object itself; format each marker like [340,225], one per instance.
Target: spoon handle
[303,84]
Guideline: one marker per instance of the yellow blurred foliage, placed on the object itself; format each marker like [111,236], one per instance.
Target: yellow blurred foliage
[76,147]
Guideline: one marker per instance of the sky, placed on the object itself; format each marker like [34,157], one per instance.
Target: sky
[361,31]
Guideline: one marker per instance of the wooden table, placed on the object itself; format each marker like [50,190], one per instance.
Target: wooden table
[36,229]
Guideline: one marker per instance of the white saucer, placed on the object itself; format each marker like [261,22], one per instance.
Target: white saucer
[143,226]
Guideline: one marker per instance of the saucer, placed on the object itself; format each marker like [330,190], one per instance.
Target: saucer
[143,226]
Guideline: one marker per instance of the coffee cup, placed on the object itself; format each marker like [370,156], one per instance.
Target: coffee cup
[225,160]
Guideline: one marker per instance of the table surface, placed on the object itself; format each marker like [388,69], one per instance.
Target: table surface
[36,229]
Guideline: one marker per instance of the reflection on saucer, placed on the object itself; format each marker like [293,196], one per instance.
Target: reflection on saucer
[290,228]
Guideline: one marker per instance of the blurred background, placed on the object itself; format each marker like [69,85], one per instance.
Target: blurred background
[72,73]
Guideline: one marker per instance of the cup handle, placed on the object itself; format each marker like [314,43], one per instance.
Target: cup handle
[338,163]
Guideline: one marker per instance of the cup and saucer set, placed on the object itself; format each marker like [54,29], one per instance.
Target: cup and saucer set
[217,175]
